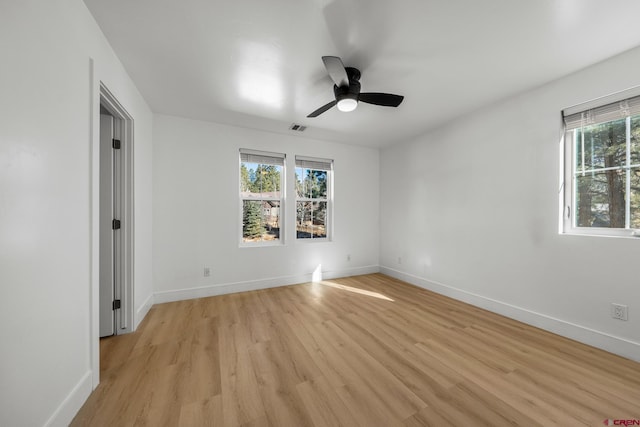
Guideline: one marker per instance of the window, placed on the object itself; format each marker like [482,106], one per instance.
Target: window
[602,167]
[313,198]
[261,195]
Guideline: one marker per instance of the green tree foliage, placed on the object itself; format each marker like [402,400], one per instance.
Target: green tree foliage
[252,226]
[311,184]
[265,179]
[245,181]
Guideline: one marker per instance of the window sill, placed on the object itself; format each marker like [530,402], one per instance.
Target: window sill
[316,240]
[603,232]
[260,245]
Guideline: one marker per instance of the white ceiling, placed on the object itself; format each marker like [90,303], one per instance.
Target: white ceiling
[257,63]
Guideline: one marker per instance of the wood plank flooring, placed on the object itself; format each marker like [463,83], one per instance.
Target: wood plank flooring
[360,351]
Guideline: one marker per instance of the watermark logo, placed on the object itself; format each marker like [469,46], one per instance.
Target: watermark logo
[621,422]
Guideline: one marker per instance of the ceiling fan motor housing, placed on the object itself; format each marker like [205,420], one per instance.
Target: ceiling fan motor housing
[353,90]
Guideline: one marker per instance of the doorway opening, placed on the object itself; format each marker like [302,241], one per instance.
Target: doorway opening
[115,217]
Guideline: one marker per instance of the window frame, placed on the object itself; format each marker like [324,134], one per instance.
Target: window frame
[568,165]
[328,199]
[282,211]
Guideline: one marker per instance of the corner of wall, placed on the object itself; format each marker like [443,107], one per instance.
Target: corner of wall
[141,312]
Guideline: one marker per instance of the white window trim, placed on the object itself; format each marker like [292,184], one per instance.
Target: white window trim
[567,174]
[328,200]
[282,199]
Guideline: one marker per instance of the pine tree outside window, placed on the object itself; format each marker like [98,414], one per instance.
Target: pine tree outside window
[602,167]
[262,197]
[313,198]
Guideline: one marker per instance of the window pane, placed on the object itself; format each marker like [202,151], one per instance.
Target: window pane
[271,219]
[635,140]
[311,183]
[600,199]
[300,182]
[635,199]
[260,220]
[304,228]
[634,202]
[311,220]
[259,181]
[319,214]
[319,184]
[601,145]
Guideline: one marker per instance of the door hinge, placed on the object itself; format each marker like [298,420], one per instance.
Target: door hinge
[116,144]
[116,304]
[115,224]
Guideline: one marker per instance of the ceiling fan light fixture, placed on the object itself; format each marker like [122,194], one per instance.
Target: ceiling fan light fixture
[347,104]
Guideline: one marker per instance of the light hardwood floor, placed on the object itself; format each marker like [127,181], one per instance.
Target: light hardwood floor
[360,351]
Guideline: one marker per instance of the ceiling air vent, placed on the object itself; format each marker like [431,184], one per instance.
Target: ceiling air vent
[297,127]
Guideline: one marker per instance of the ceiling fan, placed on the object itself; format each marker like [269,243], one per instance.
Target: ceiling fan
[347,89]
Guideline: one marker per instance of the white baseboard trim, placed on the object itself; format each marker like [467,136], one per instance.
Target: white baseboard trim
[142,311]
[70,406]
[253,285]
[592,337]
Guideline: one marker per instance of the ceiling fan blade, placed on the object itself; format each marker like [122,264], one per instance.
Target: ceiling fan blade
[322,109]
[384,99]
[336,70]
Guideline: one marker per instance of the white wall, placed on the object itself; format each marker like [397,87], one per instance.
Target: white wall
[196,211]
[472,211]
[46,204]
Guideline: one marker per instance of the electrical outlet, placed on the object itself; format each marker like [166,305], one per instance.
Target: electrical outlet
[619,311]
[207,271]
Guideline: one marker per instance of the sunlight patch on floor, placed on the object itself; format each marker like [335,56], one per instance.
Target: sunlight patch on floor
[352,289]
